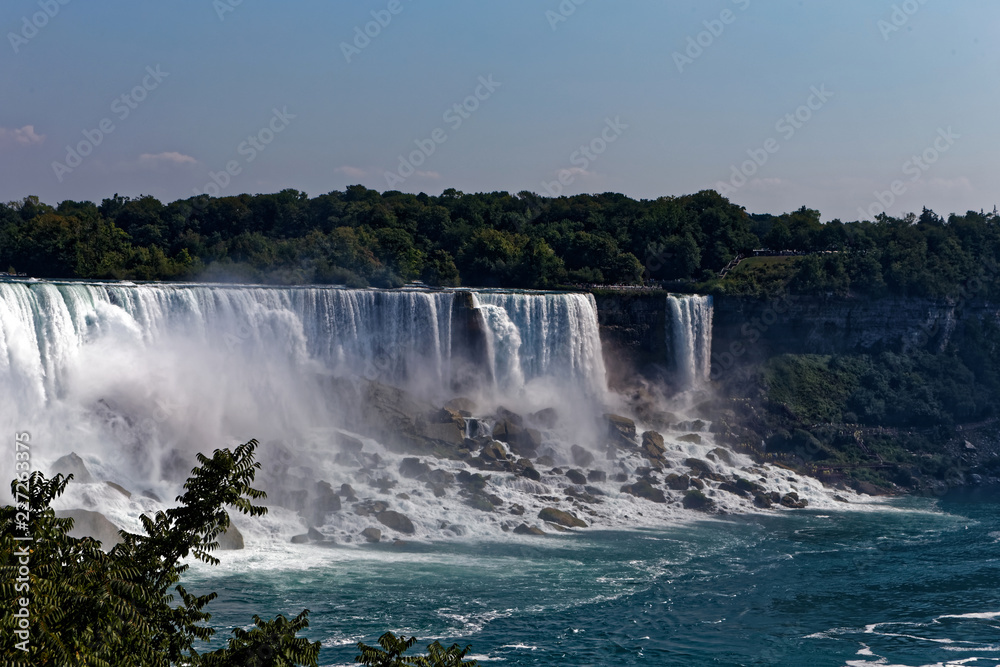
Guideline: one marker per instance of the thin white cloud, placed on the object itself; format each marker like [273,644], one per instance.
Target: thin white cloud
[23,136]
[353,172]
[170,157]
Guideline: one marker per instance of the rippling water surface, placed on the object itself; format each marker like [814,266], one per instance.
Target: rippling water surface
[917,583]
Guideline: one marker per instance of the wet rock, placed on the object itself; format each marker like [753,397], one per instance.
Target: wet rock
[691,437]
[582,457]
[120,489]
[525,529]
[699,466]
[678,482]
[748,486]
[596,476]
[594,491]
[370,507]
[729,487]
[722,455]
[576,476]
[448,415]
[396,521]
[494,499]
[561,518]
[371,534]
[517,510]
[413,467]
[71,464]
[92,524]
[449,433]
[531,473]
[300,539]
[403,496]
[792,501]
[464,406]
[652,444]
[349,444]
[231,540]
[546,461]
[503,414]
[315,535]
[494,452]
[621,431]
[347,491]
[480,503]
[620,477]
[442,477]
[643,489]
[762,500]
[547,418]
[696,500]
[697,483]
[472,481]
[326,502]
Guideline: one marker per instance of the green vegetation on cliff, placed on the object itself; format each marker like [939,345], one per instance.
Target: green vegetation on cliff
[362,237]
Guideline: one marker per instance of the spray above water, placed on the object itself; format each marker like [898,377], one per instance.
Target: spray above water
[413,412]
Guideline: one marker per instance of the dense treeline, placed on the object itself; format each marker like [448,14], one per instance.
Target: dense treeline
[363,237]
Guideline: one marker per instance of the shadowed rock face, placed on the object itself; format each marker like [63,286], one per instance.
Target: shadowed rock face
[469,348]
[92,524]
[71,464]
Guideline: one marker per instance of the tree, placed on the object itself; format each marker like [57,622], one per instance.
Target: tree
[88,607]
[393,648]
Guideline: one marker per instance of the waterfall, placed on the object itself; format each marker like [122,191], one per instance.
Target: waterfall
[689,338]
[545,335]
[56,338]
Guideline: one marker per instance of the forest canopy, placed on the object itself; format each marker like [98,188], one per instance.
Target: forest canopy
[361,237]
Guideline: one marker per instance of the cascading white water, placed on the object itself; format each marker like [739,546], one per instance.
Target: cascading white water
[545,335]
[154,367]
[689,337]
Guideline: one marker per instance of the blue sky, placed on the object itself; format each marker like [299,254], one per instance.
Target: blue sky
[896,80]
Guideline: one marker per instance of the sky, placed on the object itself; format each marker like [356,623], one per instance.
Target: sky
[851,107]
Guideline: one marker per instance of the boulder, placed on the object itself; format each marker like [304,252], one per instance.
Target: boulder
[464,406]
[349,444]
[120,489]
[525,529]
[503,414]
[596,476]
[643,489]
[699,466]
[71,464]
[531,473]
[347,491]
[413,467]
[517,509]
[441,477]
[696,500]
[691,437]
[326,502]
[231,540]
[792,501]
[370,507]
[678,482]
[449,433]
[561,518]
[762,500]
[494,451]
[480,502]
[371,534]
[621,430]
[396,521]
[547,418]
[300,539]
[723,455]
[576,476]
[92,524]
[315,535]
[582,457]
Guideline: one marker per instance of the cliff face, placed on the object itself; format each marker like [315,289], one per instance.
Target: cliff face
[633,333]
[748,331]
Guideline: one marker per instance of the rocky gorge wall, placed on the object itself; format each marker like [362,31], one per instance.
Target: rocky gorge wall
[748,331]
